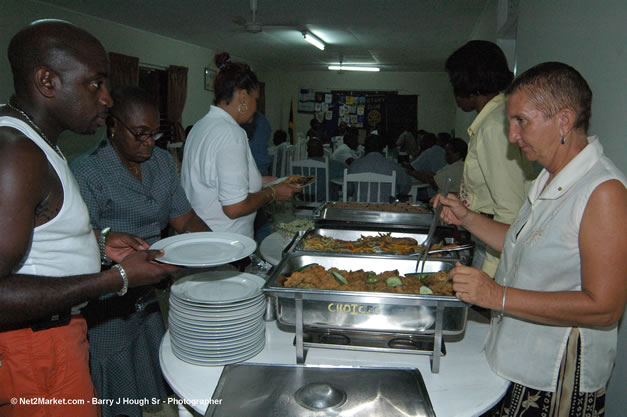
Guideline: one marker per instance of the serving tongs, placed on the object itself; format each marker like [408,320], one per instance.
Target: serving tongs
[436,219]
[449,248]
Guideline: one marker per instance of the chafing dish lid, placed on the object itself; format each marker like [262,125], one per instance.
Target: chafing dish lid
[259,390]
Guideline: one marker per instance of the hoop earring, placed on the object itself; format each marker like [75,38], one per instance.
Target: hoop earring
[563,141]
[244,106]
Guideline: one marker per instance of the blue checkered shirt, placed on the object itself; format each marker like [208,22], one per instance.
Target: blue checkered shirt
[115,197]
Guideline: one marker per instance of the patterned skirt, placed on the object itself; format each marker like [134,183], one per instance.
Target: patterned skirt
[124,353]
[566,401]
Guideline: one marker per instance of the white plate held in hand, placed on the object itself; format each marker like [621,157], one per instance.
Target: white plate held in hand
[202,249]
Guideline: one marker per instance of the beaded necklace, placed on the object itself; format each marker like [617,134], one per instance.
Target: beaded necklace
[36,127]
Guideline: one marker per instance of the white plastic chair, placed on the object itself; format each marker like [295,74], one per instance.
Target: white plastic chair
[286,161]
[300,152]
[274,166]
[317,192]
[368,187]
[279,163]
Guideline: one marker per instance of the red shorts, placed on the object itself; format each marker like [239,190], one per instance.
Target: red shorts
[46,373]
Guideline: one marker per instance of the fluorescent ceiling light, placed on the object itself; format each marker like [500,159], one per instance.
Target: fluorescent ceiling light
[314,41]
[353,68]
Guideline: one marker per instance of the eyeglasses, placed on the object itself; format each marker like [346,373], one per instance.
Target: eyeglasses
[140,137]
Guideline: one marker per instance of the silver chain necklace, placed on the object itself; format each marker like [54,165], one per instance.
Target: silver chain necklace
[36,127]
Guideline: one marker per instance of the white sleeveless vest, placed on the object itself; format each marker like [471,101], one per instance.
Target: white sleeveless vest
[545,257]
[65,245]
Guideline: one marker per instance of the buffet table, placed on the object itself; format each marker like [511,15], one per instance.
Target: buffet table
[464,386]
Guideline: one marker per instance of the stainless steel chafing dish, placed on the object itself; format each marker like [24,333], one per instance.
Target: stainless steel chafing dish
[448,235]
[420,315]
[254,390]
[329,213]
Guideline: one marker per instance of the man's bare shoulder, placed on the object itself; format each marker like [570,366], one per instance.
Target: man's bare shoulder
[15,145]
[22,163]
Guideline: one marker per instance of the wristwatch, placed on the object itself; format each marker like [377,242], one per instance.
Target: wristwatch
[102,238]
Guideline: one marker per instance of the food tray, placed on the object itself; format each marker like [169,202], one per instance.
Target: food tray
[329,213]
[448,235]
[357,310]
[378,312]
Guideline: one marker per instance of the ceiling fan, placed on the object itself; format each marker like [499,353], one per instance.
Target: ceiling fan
[254,26]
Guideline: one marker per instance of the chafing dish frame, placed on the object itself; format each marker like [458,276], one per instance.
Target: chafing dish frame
[438,303]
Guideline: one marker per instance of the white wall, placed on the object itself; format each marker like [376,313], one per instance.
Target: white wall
[150,48]
[436,105]
[485,29]
[590,36]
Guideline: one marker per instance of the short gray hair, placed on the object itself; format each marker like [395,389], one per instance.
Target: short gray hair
[553,86]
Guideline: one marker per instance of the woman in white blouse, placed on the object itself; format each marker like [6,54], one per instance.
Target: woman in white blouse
[219,174]
[560,288]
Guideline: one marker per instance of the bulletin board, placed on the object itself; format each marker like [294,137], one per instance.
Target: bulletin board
[388,111]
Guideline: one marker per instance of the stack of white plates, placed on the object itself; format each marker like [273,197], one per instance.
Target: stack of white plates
[216,317]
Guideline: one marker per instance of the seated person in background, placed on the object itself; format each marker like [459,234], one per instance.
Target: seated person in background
[280,143]
[317,131]
[407,145]
[443,138]
[315,151]
[347,152]
[131,186]
[456,151]
[338,139]
[431,157]
[374,162]
[419,135]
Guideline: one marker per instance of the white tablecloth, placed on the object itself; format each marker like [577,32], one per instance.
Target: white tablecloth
[465,385]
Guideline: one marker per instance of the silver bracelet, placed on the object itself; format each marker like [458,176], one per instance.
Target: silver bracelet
[124,279]
[502,313]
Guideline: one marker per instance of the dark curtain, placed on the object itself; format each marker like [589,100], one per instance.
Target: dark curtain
[400,112]
[124,70]
[177,94]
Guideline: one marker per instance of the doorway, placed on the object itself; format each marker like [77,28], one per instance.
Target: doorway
[155,82]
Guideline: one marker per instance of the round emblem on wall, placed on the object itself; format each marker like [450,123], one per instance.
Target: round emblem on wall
[374,117]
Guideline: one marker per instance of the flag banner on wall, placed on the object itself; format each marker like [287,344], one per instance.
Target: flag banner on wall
[290,124]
